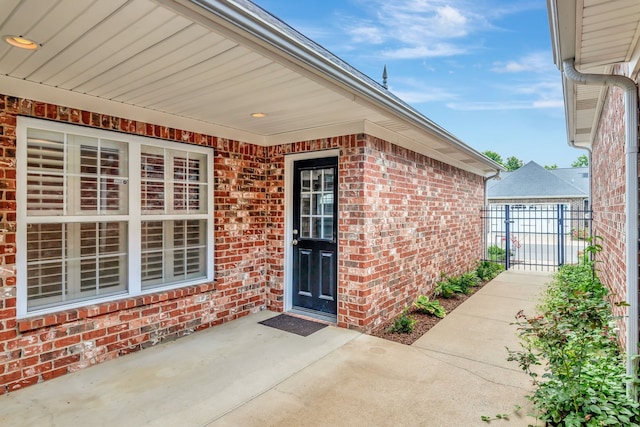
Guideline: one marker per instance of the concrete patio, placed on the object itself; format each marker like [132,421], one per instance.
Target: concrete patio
[246,374]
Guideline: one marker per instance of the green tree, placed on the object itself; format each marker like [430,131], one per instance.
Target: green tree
[513,163]
[581,162]
[551,167]
[494,156]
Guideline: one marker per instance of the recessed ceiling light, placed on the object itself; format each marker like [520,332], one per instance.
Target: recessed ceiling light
[21,42]
[258,115]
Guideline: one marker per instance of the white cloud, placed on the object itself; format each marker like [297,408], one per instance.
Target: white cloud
[537,62]
[549,103]
[506,105]
[438,50]
[539,92]
[415,28]
[367,34]
[449,17]
[415,91]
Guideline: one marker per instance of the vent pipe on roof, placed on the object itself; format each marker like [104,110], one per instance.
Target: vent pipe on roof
[631,199]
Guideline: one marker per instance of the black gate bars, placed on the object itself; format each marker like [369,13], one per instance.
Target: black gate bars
[535,236]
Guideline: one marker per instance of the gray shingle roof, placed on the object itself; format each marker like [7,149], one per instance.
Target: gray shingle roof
[534,181]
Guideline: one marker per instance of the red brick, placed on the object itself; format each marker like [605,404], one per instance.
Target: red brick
[22,383]
[51,374]
[67,341]
[66,361]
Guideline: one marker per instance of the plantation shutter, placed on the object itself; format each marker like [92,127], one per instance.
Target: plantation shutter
[80,240]
[45,178]
[173,185]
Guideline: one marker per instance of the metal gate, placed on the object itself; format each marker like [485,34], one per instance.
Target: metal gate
[535,236]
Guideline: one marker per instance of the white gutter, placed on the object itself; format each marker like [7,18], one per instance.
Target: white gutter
[631,198]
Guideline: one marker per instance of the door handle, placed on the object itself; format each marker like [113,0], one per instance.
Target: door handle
[294,242]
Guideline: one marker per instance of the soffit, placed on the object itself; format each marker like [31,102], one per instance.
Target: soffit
[174,62]
[598,34]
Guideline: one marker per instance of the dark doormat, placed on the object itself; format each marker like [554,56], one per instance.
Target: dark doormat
[295,325]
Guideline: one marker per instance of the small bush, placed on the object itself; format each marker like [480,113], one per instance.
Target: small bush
[585,379]
[488,270]
[496,253]
[447,289]
[403,324]
[469,280]
[424,305]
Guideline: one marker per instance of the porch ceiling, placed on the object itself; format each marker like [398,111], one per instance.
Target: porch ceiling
[598,34]
[206,65]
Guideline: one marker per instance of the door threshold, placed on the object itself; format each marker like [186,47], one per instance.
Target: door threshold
[317,315]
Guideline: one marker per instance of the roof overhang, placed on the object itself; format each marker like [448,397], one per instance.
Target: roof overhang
[598,34]
[206,66]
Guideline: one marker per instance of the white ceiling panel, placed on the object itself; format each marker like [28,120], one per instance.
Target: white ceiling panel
[70,27]
[110,52]
[211,70]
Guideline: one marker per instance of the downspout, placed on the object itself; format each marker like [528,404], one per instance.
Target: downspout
[631,198]
[485,210]
[572,144]
[486,180]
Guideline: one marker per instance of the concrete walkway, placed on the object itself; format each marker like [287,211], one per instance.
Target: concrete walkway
[246,374]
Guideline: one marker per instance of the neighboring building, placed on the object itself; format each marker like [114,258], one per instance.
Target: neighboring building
[546,212]
[596,46]
[170,166]
[533,184]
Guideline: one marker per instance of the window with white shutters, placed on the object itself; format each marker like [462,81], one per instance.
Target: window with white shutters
[107,215]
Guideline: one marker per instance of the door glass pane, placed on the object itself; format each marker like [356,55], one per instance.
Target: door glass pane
[328,180]
[327,228]
[305,227]
[305,204]
[316,204]
[305,180]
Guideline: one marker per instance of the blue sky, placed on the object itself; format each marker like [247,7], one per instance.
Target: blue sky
[482,69]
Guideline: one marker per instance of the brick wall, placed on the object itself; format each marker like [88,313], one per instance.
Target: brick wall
[410,219]
[403,220]
[608,189]
[40,348]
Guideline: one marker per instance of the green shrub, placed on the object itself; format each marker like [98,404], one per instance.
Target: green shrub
[488,270]
[585,379]
[496,253]
[469,280]
[403,324]
[424,305]
[447,289]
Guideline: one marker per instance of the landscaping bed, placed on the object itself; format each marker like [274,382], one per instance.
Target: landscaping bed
[424,322]
[460,289]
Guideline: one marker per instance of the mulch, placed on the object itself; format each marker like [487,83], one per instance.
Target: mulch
[424,321]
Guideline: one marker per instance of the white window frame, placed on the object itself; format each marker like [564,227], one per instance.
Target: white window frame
[133,218]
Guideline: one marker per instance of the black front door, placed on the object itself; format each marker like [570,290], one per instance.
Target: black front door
[314,235]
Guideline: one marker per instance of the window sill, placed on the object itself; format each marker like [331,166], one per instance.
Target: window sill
[94,310]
